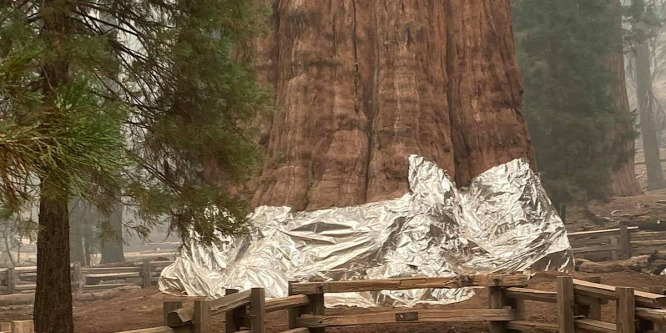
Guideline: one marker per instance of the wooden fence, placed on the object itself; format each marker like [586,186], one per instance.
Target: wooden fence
[619,243]
[578,307]
[22,279]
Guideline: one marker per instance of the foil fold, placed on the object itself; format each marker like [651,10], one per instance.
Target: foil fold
[503,223]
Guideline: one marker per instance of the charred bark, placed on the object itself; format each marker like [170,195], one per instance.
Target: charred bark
[363,84]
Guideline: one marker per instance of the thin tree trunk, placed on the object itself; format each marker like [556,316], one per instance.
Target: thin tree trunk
[647,119]
[623,178]
[7,247]
[112,248]
[77,215]
[53,294]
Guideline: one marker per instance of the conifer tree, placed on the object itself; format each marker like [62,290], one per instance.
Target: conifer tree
[578,133]
[152,99]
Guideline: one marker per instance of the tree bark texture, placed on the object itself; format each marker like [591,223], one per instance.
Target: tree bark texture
[647,119]
[112,248]
[361,85]
[53,295]
[623,178]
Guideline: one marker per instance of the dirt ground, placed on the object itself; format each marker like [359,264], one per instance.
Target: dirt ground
[142,308]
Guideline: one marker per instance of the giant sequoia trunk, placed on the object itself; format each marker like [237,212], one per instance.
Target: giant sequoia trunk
[623,179]
[363,84]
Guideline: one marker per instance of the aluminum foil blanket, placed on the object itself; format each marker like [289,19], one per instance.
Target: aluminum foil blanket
[504,222]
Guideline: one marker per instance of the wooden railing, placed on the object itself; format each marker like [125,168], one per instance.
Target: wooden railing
[618,243]
[22,279]
[578,305]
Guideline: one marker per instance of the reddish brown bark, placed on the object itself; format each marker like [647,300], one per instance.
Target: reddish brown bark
[363,84]
[623,179]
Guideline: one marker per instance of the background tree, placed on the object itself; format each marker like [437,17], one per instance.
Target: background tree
[180,103]
[623,177]
[580,135]
[644,25]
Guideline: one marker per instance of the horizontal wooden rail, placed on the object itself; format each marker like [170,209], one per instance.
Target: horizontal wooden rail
[311,288]
[655,315]
[185,315]
[596,290]
[457,315]
[599,232]
[531,326]
[277,304]
[161,329]
[531,295]
[590,325]
[297,330]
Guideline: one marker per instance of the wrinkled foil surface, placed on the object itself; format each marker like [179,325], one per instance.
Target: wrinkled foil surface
[503,223]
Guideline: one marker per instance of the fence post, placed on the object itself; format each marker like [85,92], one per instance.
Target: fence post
[202,316]
[292,313]
[626,310]
[11,280]
[145,274]
[613,242]
[496,301]
[518,306]
[23,326]
[257,310]
[76,277]
[625,241]
[233,319]
[591,307]
[565,304]
[317,308]
[168,307]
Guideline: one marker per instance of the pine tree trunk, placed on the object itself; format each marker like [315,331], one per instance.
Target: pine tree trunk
[623,178]
[647,119]
[361,85]
[53,294]
[112,248]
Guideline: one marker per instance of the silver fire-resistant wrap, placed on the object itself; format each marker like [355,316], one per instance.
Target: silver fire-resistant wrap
[504,222]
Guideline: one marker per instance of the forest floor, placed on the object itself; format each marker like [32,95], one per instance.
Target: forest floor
[142,308]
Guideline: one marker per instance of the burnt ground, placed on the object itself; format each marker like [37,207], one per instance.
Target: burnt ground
[142,308]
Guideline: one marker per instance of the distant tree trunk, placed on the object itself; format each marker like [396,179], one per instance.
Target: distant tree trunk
[112,248]
[623,178]
[76,209]
[361,85]
[53,292]
[647,121]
